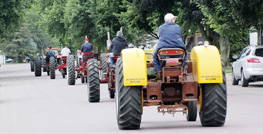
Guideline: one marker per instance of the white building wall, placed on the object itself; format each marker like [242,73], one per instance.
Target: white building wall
[2,57]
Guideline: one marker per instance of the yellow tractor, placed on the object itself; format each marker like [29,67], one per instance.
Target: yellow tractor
[201,80]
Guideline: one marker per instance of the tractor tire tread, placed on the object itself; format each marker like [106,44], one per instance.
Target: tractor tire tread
[52,63]
[71,70]
[37,66]
[129,100]
[93,80]
[214,103]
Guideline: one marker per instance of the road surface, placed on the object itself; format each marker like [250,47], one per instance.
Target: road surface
[39,105]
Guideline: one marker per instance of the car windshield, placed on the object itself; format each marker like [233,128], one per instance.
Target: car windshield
[259,52]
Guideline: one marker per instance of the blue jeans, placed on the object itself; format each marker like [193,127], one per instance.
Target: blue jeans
[48,56]
[111,60]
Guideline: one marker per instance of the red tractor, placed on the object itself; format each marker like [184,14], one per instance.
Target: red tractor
[108,72]
[82,64]
[62,67]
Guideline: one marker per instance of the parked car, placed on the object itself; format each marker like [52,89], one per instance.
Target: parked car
[248,67]
[9,60]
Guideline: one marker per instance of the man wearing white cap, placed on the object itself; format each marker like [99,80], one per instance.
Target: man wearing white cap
[170,37]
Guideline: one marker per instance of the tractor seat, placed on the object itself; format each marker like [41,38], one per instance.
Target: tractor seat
[115,57]
[64,59]
[166,53]
[171,56]
[88,55]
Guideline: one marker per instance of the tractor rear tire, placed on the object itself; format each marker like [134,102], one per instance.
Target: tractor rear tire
[213,102]
[93,80]
[103,62]
[234,80]
[45,64]
[128,101]
[37,66]
[71,73]
[112,94]
[78,65]
[32,66]
[192,110]
[244,81]
[52,63]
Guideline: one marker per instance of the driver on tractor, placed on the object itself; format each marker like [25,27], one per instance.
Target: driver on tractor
[118,43]
[49,54]
[65,51]
[86,47]
[170,37]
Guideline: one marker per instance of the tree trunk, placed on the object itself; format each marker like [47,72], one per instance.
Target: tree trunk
[203,32]
[190,44]
[260,36]
[225,49]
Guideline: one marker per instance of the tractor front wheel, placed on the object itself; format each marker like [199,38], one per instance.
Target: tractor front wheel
[71,70]
[93,80]
[32,65]
[52,63]
[82,79]
[112,94]
[213,103]
[192,110]
[128,101]
[63,73]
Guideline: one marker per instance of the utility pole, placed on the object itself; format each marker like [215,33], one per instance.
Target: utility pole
[108,40]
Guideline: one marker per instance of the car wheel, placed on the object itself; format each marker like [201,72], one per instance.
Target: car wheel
[234,80]
[244,81]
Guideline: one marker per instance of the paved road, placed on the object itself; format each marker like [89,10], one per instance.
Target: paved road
[38,105]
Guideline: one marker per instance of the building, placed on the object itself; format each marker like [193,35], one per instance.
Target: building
[2,57]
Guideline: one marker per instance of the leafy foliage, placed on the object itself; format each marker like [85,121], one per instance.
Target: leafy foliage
[19,46]
[10,15]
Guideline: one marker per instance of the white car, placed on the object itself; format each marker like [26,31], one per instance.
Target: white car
[248,67]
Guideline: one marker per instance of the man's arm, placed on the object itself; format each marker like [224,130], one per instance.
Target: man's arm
[81,48]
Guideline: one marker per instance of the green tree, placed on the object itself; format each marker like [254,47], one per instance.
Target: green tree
[248,13]
[19,46]
[10,15]
[218,16]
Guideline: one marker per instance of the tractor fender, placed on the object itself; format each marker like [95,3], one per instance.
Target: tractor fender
[206,64]
[134,67]
[149,55]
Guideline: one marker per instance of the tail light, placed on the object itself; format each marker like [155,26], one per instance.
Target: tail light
[253,60]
